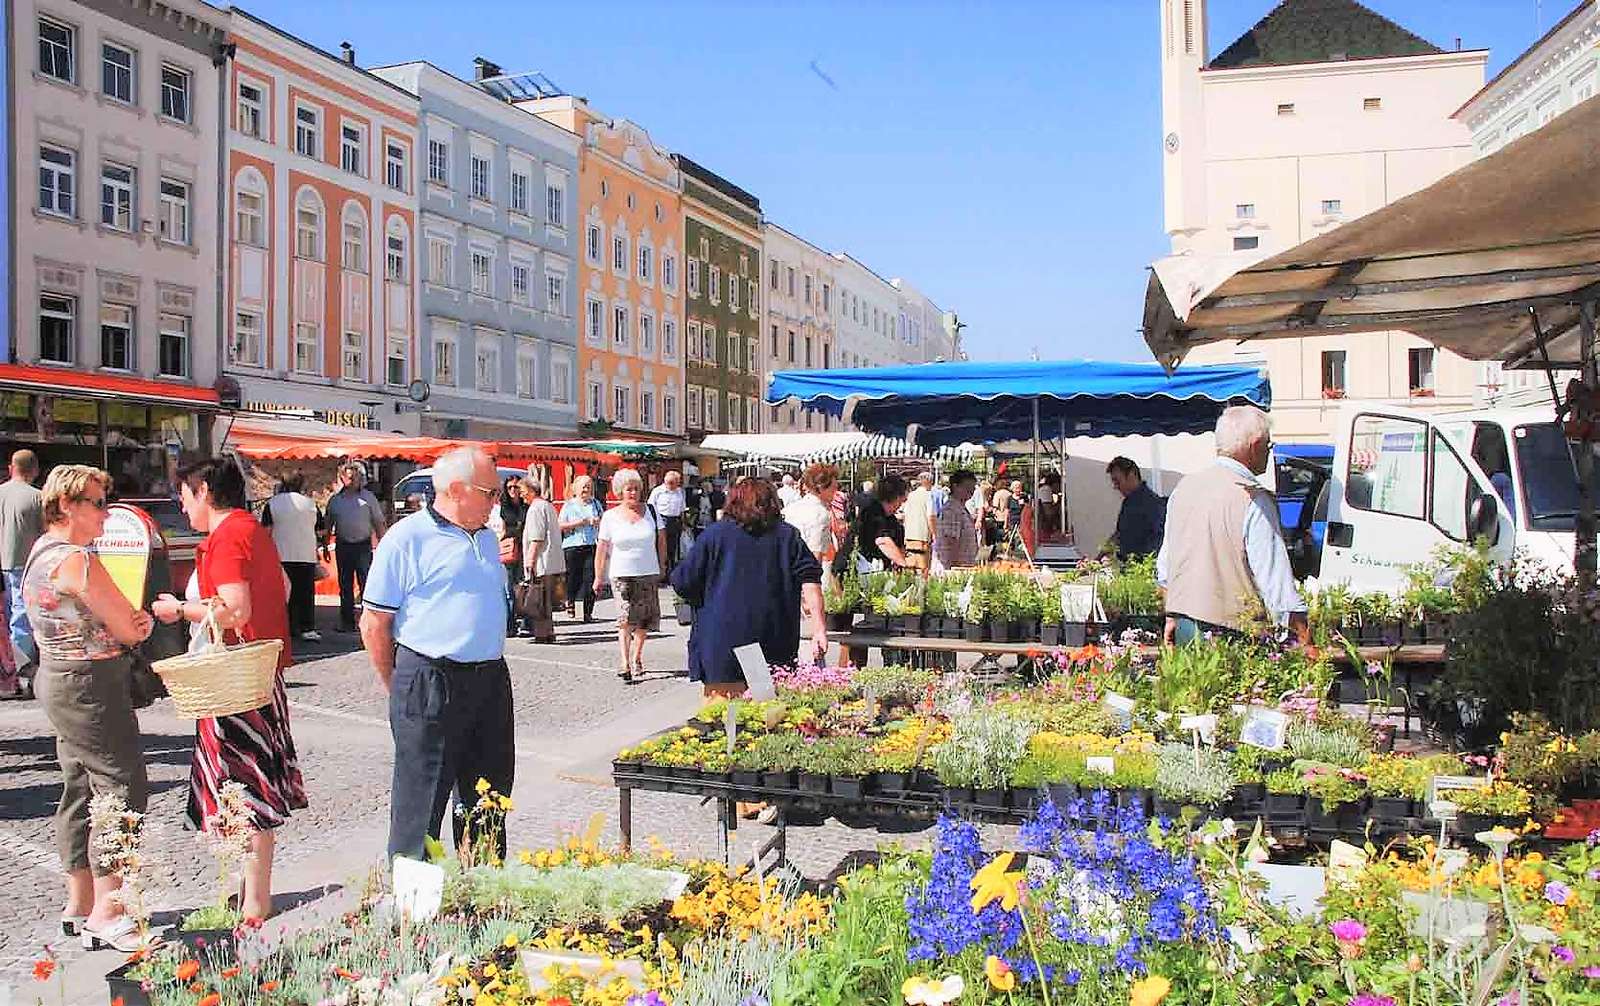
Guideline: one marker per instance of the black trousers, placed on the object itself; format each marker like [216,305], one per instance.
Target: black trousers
[580,577]
[354,559]
[302,596]
[674,533]
[452,725]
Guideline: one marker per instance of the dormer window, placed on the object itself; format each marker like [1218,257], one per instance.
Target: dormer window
[1371,104]
[1286,108]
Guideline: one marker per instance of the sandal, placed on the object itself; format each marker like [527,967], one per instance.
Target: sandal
[625,673]
[121,935]
[72,924]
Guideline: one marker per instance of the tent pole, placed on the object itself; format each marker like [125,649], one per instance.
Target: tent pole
[1584,548]
[1034,502]
[1544,352]
[1061,496]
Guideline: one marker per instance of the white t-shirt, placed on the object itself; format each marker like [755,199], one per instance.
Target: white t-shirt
[294,527]
[788,494]
[668,502]
[633,544]
[814,523]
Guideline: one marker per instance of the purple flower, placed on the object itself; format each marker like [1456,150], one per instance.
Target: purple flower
[1594,838]
[1374,668]
[1563,954]
[1557,893]
[1592,971]
[651,998]
[1368,999]
[1348,931]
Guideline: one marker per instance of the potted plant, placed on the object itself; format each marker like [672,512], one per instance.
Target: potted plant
[846,761]
[1390,782]
[811,772]
[1134,781]
[1286,795]
[1188,776]
[976,621]
[776,756]
[840,602]
[1334,798]
[956,767]
[1499,803]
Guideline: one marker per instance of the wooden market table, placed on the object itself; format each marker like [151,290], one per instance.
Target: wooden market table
[1416,655]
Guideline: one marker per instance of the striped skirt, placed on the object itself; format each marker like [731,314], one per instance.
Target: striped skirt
[254,749]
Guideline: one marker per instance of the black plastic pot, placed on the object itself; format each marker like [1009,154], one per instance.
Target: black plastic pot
[958,794]
[1026,799]
[744,779]
[1061,794]
[811,782]
[1412,634]
[777,780]
[119,986]
[624,767]
[1050,634]
[1074,634]
[1172,810]
[1285,803]
[910,625]
[840,621]
[1136,799]
[889,782]
[920,780]
[975,631]
[1468,825]
[217,942]
[873,623]
[1393,808]
[993,797]
[1344,818]
[848,787]
[1436,630]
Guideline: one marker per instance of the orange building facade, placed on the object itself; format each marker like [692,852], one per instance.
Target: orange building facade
[321,197]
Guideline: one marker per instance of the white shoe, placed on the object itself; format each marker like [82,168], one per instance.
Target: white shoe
[311,636]
[121,935]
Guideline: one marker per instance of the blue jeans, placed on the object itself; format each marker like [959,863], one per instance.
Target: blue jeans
[17,622]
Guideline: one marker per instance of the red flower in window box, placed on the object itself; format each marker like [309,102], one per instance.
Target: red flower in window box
[1333,393]
[1421,392]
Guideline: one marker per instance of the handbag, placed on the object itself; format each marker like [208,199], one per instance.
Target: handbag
[510,550]
[144,684]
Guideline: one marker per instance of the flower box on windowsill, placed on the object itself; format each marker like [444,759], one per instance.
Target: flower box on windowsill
[1333,394]
[1421,392]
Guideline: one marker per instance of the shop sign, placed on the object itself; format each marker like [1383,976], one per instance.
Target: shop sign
[359,420]
[124,550]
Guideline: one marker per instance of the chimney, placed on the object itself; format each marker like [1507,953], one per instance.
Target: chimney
[483,69]
[1458,43]
[349,52]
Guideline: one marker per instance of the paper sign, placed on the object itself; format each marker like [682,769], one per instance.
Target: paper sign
[965,600]
[1077,602]
[730,724]
[1265,728]
[1121,709]
[535,963]
[756,675]
[418,888]
[1204,725]
[1345,863]
[1439,788]
[1102,764]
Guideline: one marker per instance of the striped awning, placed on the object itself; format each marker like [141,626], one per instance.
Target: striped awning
[877,446]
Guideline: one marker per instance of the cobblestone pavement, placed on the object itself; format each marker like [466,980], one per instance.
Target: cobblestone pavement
[572,714]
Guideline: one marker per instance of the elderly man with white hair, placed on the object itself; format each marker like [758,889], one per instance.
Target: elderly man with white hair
[434,629]
[788,492]
[918,517]
[1223,552]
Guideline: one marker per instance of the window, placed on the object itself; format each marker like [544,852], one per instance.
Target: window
[246,347]
[307,127]
[555,205]
[57,328]
[596,399]
[351,363]
[773,419]
[116,337]
[693,346]
[1388,465]
[116,196]
[394,166]
[480,177]
[619,254]
[174,219]
[744,266]
[619,328]
[1332,207]
[57,180]
[555,289]
[482,281]
[1333,373]
[251,105]
[527,373]
[591,244]
[733,292]
[752,359]
[826,364]
[1286,108]
[669,339]
[1244,211]
[708,339]
[307,341]
[646,269]
[791,345]
[175,84]
[647,335]
[398,351]
[594,323]
[1371,104]
[249,228]
[560,379]
[522,283]
[732,358]
[355,242]
[1419,367]
[790,283]
[714,287]
[808,352]
[693,405]
[1450,490]
[772,273]
[669,413]
[774,342]
[444,361]
[711,409]
[619,405]
[174,346]
[439,162]
[395,258]
[441,252]
[827,297]
[308,227]
[487,363]
[694,277]
[116,72]
[647,409]
[57,43]
[352,148]
[669,271]
[733,413]
[808,289]
[519,191]
[1246,243]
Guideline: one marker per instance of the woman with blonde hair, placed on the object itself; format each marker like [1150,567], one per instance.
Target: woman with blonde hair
[579,523]
[633,549]
[84,627]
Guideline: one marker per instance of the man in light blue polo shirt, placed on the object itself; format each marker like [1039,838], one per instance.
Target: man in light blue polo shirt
[434,628]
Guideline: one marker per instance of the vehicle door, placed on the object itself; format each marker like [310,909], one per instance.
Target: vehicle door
[1401,488]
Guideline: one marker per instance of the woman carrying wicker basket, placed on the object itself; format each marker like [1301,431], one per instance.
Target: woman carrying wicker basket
[247,592]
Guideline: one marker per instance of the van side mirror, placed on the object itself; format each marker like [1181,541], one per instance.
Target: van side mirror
[1483,518]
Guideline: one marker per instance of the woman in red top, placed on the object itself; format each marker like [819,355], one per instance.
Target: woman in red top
[241,580]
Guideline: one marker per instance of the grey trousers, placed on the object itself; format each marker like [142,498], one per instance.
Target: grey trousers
[97,745]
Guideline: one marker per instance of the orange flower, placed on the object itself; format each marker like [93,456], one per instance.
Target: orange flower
[119,1001]
[347,975]
[269,986]
[188,969]
[197,987]
[138,955]
[232,972]
[43,968]
[214,999]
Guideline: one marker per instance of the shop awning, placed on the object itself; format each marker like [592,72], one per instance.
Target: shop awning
[255,435]
[948,404]
[90,384]
[634,450]
[421,450]
[1465,263]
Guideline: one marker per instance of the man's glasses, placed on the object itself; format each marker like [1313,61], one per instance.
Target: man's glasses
[489,492]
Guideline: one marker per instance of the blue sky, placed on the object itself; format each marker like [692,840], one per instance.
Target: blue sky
[1004,157]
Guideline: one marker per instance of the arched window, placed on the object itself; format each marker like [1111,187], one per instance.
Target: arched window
[250,208]
[355,239]
[397,251]
[308,225]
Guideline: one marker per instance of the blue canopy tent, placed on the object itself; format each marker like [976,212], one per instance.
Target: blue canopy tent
[944,404]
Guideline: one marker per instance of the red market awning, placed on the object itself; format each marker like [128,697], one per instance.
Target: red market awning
[422,450]
[88,384]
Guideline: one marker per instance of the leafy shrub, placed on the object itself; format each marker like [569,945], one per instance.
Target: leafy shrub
[1208,783]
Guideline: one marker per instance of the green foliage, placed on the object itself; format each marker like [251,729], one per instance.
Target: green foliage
[772,753]
[1285,781]
[1333,786]
[562,895]
[1204,777]
[1499,799]
[984,748]
[865,959]
[844,756]
[1335,740]
[1132,589]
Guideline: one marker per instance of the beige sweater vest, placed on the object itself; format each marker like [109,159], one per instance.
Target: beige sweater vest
[1208,574]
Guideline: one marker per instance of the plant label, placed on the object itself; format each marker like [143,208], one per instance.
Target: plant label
[1345,863]
[869,695]
[756,675]
[1077,602]
[1204,725]
[730,725]
[1439,788]
[965,600]
[418,888]
[1121,709]
[1101,764]
[1264,728]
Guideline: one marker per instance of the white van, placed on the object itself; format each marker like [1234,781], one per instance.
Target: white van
[1404,483]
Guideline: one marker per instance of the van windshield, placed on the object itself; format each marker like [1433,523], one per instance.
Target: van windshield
[1549,477]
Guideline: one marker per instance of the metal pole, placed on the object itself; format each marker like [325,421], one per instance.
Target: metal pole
[1061,494]
[1034,502]
[1584,548]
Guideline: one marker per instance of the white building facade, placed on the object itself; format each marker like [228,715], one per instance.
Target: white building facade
[799,330]
[866,317]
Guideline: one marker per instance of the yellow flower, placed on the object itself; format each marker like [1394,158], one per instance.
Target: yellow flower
[993,882]
[505,803]
[999,974]
[483,786]
[512,939]
[1149,991]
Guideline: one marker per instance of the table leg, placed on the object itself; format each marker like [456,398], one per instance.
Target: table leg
[729,812]
[625,816]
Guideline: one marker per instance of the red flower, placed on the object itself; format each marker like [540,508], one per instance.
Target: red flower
[269,986]
[118,1001]
[188,969]
[230,972]
[43,968]
[214,999]
[197,987]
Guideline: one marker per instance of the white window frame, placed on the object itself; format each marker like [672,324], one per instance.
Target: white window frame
[247,347]
[63,198]
[527,377]
[669,412]
[646,263]
[669,338]
[486,346]
[555,292]
[647,334]
[480,280]
[619,253]
[398,360]
[480,177]
[594,321]
[446,351]
[396,164]
[177,93]
[353,148]
[61,52]
[308,339]
[177,328]
[308,131]
[251,112]
[647,409]
[693,277]
[692,414]
[594,397]
[116,196]
[352,356]
[692,340]
[250,222]
[708,336]
[733,292]
[669,271]
[118,318]
[522,282]
[521,181]
[396,257]
[441,260]
[439,162]
[714,285]
[732,359]
[173,221]
[621,334]
[560,378]
[555,203]
[125,78]
[1332,207]
[710,401]
[312,247]
[621,403]
[65,309]
[594,243]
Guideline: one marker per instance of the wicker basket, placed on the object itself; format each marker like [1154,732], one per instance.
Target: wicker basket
[221,681]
